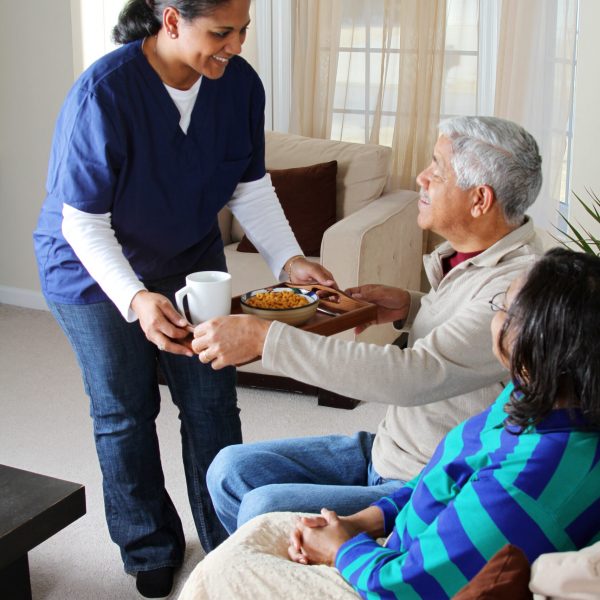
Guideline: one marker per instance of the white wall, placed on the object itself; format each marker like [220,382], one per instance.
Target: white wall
[36,66]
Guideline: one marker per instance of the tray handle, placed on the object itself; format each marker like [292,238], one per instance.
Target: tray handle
[346,302]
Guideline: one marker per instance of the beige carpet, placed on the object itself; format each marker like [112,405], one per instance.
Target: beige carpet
[45,427]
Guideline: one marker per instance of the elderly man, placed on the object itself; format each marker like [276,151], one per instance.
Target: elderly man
[484,175]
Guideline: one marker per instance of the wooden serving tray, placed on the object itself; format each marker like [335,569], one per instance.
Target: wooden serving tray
[349,312]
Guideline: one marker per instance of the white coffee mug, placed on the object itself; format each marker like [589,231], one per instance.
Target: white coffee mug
[208,295]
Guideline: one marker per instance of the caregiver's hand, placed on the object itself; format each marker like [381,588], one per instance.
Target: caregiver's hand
[161,322]
[231,340]
[301,270]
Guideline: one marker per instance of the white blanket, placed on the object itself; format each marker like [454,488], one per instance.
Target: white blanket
[253,565]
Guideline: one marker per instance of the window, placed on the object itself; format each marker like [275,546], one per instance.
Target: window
[567,165]
[469,73]
[471,45]
[93,21]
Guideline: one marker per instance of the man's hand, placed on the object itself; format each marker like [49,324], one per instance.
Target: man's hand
[161,322]
[231,340]
[392,303]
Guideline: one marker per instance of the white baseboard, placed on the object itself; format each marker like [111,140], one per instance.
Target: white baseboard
[21,297]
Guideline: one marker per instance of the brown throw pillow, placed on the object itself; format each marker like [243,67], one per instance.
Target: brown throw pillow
[307,196]
[504,577]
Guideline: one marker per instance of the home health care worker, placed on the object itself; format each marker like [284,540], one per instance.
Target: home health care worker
[151,142]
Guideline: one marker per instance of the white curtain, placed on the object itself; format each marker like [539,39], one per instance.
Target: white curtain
[395,94]
[315,61]
[403,44]
[534,83]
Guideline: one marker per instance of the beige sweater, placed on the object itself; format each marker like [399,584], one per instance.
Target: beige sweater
[448,372]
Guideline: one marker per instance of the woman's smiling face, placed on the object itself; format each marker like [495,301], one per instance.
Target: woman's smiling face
[206,44]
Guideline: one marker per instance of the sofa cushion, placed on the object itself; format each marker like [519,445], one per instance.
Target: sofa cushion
[571,575]
[307,196]
[504,577]
[362,168]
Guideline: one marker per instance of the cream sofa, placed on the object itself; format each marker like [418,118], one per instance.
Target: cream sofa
[567,575]
[375,239]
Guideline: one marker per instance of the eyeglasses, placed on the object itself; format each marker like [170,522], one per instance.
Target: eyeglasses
[497,302]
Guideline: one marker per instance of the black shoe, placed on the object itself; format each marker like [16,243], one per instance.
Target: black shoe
[155,584]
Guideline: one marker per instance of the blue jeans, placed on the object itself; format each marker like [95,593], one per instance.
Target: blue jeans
[119,368]
[302,474]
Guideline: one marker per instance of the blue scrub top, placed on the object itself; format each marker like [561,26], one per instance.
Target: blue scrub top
[118,148]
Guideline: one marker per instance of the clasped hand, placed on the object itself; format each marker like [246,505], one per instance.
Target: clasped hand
[316,540]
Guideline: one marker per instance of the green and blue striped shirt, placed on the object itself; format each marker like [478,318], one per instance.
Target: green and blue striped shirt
[484,487]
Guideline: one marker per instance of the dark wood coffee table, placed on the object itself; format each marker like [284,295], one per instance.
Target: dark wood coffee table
[33,507]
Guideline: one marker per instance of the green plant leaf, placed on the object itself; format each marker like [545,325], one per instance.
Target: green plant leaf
[579,235]
[592,211]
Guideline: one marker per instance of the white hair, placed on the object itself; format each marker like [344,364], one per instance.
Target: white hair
[499,153]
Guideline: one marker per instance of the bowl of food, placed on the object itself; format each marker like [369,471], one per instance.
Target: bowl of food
[290,305]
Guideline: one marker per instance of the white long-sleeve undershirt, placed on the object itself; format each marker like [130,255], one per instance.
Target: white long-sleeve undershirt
[93,240]
[257,208]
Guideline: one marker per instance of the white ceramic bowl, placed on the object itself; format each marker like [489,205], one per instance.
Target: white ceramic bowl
[292,316]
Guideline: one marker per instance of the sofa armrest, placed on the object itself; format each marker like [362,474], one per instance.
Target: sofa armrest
[381,243]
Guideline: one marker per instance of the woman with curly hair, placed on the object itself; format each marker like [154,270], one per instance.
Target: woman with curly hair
[525,472]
